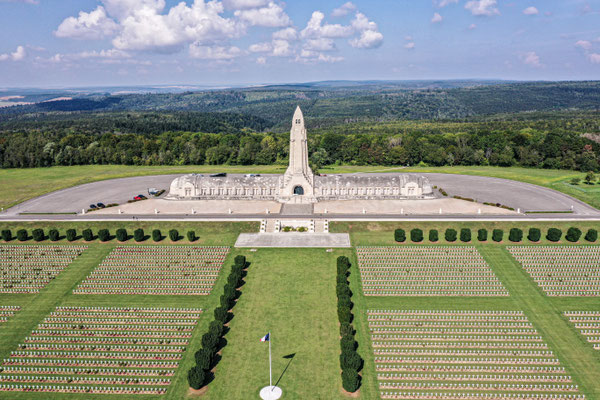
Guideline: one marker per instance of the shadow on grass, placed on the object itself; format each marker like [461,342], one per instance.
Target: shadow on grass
[289,357]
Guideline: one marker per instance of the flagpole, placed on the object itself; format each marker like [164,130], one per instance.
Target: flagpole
[270,373]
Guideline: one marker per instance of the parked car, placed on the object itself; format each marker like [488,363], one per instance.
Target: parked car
[141,196]
[93,206]
[137,198]
[219,175]
[101,205]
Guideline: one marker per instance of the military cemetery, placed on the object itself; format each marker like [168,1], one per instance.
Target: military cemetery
[299,200]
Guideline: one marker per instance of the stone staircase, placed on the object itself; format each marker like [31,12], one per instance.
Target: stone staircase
[275,225]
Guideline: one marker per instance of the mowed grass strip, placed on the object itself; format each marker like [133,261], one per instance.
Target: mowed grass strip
[291,293]
[579,359]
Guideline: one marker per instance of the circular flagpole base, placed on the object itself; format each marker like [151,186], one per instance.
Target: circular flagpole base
[270,393]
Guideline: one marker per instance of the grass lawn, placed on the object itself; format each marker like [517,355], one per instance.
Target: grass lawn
[382,233]
[290,292]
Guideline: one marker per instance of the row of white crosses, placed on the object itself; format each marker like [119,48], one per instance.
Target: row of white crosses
[7,311]
[29,268]
[477,396]
[588,324]
[156,270]
[562,270]
[462,355]
[82,357]
[426,271]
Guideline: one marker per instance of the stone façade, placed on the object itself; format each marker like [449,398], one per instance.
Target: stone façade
[299,184]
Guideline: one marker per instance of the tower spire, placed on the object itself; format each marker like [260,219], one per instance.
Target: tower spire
[298,180]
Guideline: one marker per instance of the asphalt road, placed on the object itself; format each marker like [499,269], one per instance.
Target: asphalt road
[518,195]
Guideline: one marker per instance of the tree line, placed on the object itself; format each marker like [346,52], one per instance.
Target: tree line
[558,143]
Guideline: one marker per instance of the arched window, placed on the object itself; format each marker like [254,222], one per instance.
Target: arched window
[298,190]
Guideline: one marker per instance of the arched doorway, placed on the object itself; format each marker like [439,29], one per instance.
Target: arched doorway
[298,191]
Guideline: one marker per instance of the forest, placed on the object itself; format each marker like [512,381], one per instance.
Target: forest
[545,125]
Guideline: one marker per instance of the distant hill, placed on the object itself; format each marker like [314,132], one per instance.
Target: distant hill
[332,102]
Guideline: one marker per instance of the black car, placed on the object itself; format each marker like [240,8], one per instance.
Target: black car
[101,205]
[93,206]
[141,196]
[219,175]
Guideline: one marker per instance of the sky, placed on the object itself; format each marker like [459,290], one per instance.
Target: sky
[71,43]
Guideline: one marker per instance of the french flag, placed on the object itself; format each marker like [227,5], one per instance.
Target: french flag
[265,338]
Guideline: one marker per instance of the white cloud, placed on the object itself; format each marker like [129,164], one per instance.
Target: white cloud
[315,28]
[483,7]
[368,39]
[110,53]
[320,44]
[214,52]
[532,59]
[531,11]
[201,22]
[286,34]
[345,9]
[244,4]
[594,58]
[18,55]
[436,18]
[444,3]
[584,44]
[281,48]
[271,16]
[472,26]
[261,60]
[409,45]
[89,26]
[122,9]
[21,1]
[260,47]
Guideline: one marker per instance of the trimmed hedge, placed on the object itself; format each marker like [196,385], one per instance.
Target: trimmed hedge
[350,361]
[53,234]
[399,235]
[482,235]
[515,235]
[450,235]
[104,235]
[71,235]
[434,235]
[121,234]
[174,235]
[22,235]
[38,234]
[591,235]
[534,234]
[573,234]
[191,236]
[416,235]
[156,235]
[87,234]
[199,375]
[6,235]
[465,235]
[554,234]
[139,235]
[497,235]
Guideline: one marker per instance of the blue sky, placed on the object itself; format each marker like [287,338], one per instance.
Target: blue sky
[137,42]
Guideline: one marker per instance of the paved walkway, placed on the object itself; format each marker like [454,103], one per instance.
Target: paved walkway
[293,239]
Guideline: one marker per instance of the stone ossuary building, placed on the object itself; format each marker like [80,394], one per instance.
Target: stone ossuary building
[299,185]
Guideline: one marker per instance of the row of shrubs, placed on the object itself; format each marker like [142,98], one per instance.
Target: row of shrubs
[515,235]
[207,357]
[103,235]
[350,361]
